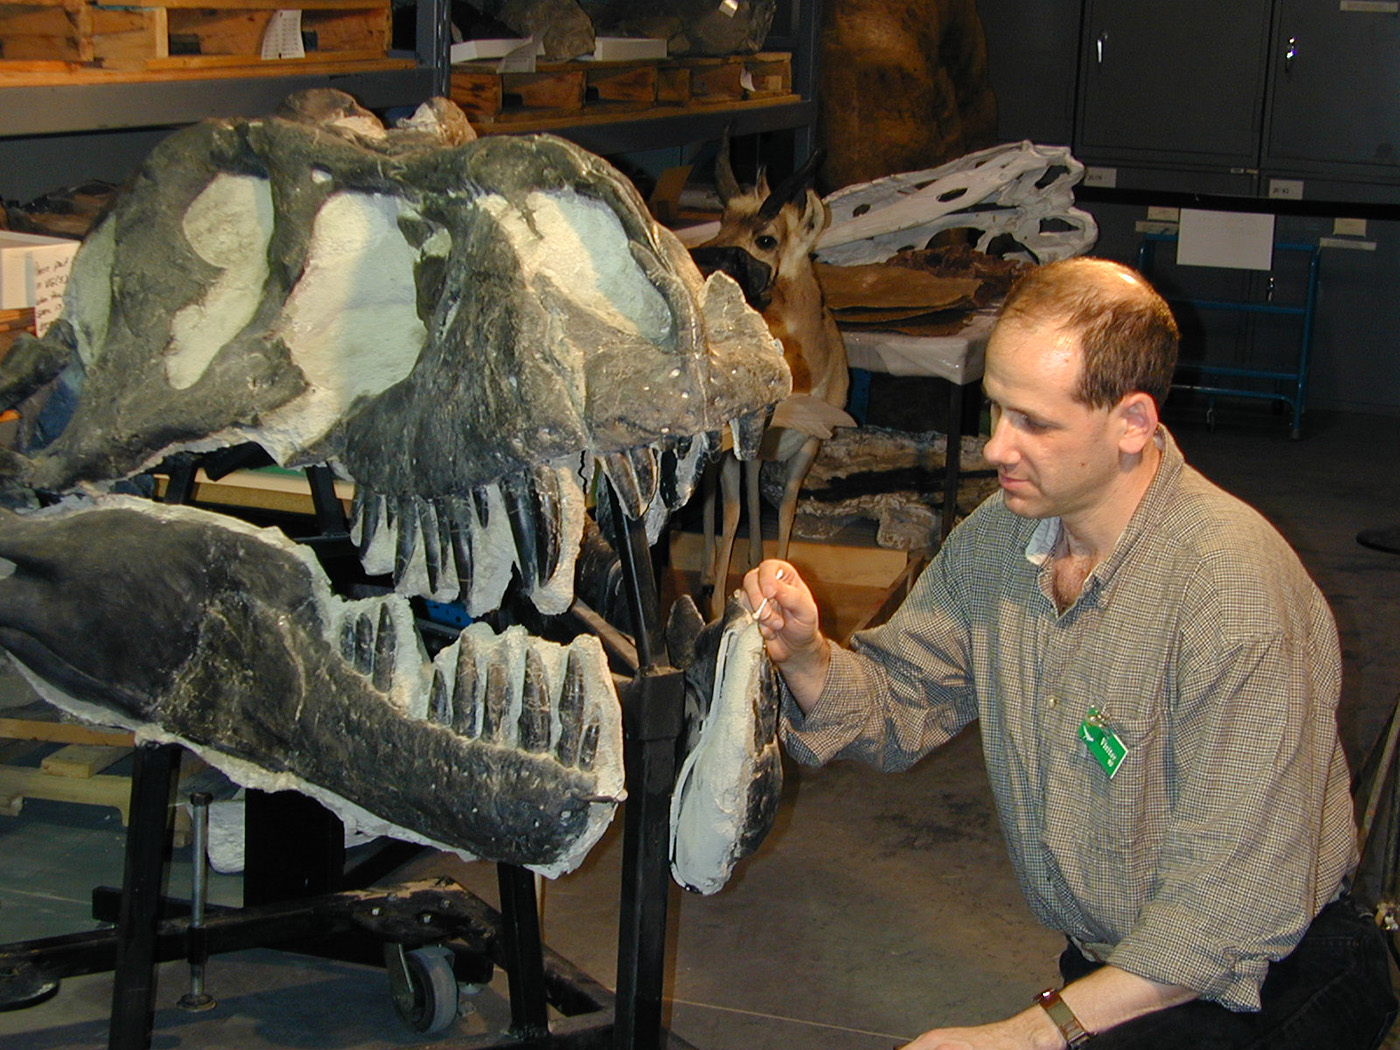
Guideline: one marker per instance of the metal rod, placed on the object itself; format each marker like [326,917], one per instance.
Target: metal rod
[196,999]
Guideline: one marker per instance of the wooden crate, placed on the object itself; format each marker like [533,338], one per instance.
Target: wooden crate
[76,31]
[600,90]
[173,34]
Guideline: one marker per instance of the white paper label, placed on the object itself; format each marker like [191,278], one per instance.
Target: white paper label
[282,37]
[48,274]
[1377,7]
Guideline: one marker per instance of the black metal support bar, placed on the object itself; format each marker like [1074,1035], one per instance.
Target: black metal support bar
[133,990]
[529,1006]
[652,711]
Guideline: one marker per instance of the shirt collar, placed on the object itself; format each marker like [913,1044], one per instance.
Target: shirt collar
[1149,509]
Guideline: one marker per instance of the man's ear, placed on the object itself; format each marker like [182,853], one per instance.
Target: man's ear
[1137,417]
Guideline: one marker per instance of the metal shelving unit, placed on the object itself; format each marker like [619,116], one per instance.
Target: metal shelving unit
[56,108]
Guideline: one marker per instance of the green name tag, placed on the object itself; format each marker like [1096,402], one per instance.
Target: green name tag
[1103,743]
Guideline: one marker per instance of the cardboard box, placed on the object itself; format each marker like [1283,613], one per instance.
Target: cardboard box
[33,273]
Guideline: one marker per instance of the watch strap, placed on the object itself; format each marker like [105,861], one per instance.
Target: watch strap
[1063,1018]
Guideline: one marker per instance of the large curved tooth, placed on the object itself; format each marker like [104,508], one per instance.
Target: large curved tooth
[681,462]
[430,543]
[524,528]
[748,433]
[407,546]
[633,474]
[457,513]
[560,512]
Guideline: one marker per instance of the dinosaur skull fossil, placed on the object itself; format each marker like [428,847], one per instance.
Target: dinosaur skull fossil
[467,329]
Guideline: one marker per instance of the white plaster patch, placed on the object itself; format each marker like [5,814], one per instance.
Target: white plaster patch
[351,322]
[228,225]
[579,244]
[87,297]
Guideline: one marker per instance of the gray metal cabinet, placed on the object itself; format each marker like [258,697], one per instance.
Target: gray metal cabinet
[1173,83]
[1232,96]
[1335,99]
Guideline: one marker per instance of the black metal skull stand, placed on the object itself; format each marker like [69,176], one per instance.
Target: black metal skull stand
[299,896]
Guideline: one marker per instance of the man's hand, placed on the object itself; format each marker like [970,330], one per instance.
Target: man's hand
[790,626]
[1029,1030]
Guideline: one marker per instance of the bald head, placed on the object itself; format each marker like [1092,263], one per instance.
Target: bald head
[1127,335]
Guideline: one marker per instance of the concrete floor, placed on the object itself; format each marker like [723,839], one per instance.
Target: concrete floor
[881,905]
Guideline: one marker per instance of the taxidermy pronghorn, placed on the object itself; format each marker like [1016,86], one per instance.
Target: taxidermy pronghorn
[765,242]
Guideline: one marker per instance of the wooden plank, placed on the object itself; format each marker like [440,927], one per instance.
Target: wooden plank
[609,82]
[53,31]
[62,732]
[82,760]
[129,36]
[17,784]
[822,562]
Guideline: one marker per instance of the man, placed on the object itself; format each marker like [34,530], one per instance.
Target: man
[1156,678]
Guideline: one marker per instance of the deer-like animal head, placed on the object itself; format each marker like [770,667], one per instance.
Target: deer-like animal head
[765,235]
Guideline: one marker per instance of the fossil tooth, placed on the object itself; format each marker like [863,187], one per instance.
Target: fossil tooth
[428,538]
[495,696]
[633,474]
[748,433]
[588,746]
[465,708]
[548,521]
[385,651]
[407,544]
[376,532]
[364,644]
[534,706]
[571,703]
[515,491]
[459,537]
[440,700]
[481,501]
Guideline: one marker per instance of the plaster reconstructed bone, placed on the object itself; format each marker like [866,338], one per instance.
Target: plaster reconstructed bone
[186,625]
[471,331]
[1019,190]
[731,776]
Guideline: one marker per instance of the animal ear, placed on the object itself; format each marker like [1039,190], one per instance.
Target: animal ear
[761,186]
[815,213]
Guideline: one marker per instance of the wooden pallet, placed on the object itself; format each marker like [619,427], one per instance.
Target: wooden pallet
[73,760]
[607,90]
[184,34]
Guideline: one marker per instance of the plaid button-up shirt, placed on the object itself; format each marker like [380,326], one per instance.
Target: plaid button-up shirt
[1210,654]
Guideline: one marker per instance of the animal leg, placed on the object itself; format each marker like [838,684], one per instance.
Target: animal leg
[795,472]
[729,494]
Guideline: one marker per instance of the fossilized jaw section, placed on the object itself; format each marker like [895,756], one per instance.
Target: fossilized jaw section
[432,317]
[730,782]
[502,747]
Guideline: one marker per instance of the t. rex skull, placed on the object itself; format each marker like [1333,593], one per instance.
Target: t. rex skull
[465,328]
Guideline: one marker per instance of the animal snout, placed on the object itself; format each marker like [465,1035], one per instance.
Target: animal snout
[754,276]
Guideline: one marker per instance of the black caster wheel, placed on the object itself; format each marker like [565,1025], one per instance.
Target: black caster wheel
[424,987]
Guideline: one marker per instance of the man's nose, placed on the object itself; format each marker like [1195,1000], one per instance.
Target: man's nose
[998,450]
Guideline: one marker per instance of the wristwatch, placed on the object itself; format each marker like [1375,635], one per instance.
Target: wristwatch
[1060,1013]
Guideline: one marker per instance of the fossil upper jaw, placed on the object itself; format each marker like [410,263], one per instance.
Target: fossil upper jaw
[454,326]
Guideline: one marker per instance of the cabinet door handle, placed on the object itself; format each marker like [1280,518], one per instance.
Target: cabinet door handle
[1290,54]
[1099,45]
